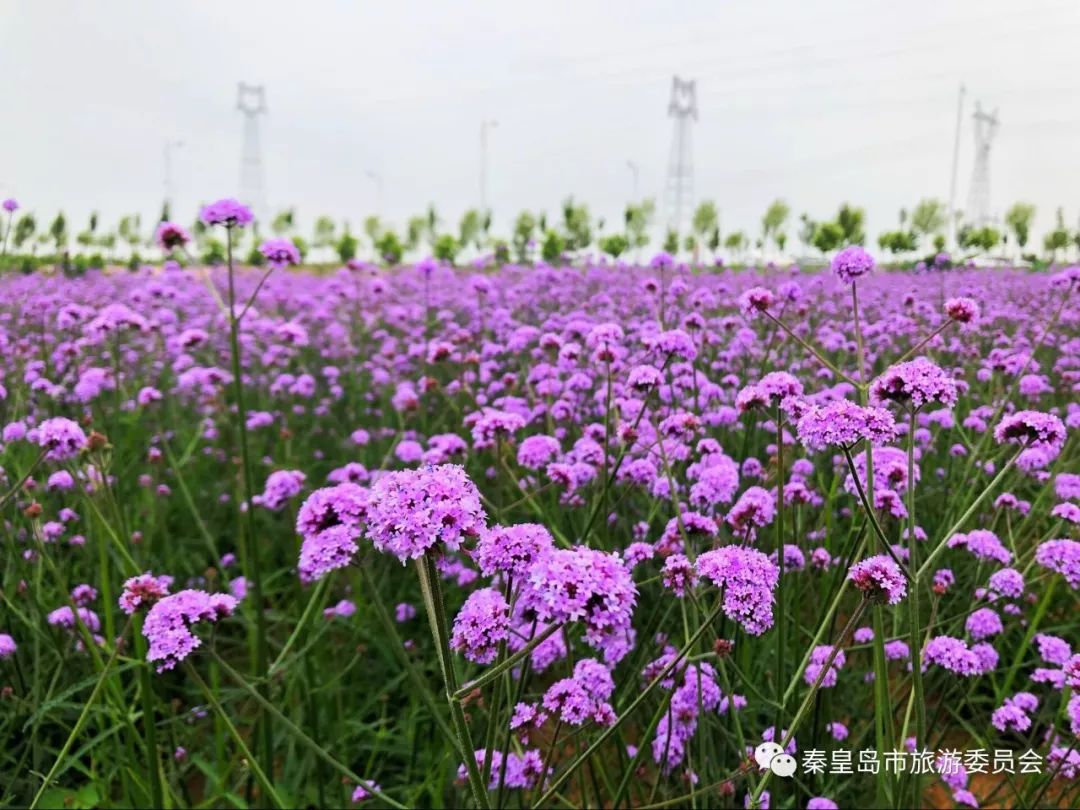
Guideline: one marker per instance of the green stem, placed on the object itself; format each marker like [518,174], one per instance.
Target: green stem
[558,781]
[440,631]
[915,617]
[260,774]
[251,545]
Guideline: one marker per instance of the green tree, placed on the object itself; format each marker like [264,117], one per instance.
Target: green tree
[828,236]
[928,218]
[850,221]
[129,228]
[414,232]
[58,232]
[1057,239]
[389,248]
[213,251]
[24,230]
[775,216]
[736,242]
[614,245]
[899,241]
[671,241]
[325,232]
[806,231]
[1018,218]
[446,248]
[705,224]
[553,247]
[346,246]
[524,230]
[372,228]
[470,229]
[283,222]
[638,219]
[577,225]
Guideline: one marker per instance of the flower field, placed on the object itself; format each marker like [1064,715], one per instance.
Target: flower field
[539,536]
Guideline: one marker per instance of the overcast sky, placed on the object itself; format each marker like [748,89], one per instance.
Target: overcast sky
[816,102]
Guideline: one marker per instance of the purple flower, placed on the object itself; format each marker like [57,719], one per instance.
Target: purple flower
[281,487]
[755,508]
[7,646]
[756,299]
[364,792]
[818,657]
[747,579]
[227,212]
[1053,650]
[983,623]
[481,625]
[329,522]
[65,617]
[954,655]
[844,424]
[915,383]
[11,205]
[413,511]
[851,263]
[1007,582]
[679,575]
[168,624]
[962,310]
[1032,429]
[279,253]
[536,452]
[512,549]
[1063,557]
[61,438]
[879,578]
[170,235]
[582,584]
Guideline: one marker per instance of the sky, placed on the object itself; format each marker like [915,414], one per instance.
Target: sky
[816,103]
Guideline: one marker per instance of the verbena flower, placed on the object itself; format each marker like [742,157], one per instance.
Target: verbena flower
[144,591]
[1063,557]
[581,584]
[413,511]
[1033,429]
[170,235]
[61,438]
[962,310]
[747,579]
[7,646]
[512,549]
[915,384]
[481,625]
[880,578]
[227,212]
[168,624]
[280,253]
[844,424]
[852,263]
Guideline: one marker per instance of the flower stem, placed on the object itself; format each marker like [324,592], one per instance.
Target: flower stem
[915,617]
[440,631]
[251,546]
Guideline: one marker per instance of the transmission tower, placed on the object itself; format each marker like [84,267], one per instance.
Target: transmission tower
[251,101]
[986,126]
[679,191]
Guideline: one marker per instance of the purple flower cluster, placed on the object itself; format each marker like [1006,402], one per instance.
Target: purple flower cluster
[1032,429]
[512,549]
[852,263]
[279,253]
[747,579]
[879,578]
[329,523]
[844,424]
[482,624]
[60,438]
[413,511]
[169,622]
[915,384]
[144,591]
[953,654]
[227,212]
